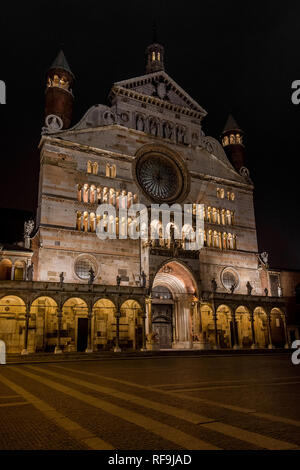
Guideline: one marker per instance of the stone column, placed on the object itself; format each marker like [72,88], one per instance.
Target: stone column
[148,303]
[253,345]
[270,345]
[58,349]
[27,318]
[144,331]
[235,343]
[287,341]
[216,346]
[117,346]
[89,348]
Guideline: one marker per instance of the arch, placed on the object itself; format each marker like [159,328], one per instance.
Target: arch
[89,167]
[43,317]
[5,269]
[73,330]
[180,276]
[12,322]
[19,270]
[95,168]
[261,327]
[224,326]
[207,320]
[180,281]
[243,323]
[277,327]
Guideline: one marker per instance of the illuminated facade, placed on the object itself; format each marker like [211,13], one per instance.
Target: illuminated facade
[149,146]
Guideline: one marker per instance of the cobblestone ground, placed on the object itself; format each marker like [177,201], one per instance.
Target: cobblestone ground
[163,403]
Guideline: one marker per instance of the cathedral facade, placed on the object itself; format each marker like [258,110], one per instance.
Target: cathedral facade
[69,290]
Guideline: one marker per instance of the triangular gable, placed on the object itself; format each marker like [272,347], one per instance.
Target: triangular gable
[162,87]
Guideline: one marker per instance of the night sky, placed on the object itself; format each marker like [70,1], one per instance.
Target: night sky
[232,57]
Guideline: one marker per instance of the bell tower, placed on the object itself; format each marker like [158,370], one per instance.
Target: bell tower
[155,54]
[232,141]
[59,96]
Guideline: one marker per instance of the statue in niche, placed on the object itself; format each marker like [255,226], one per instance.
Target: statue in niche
[91,277]
[180,135]
[140,125]
[143,279]
[265,257]
[109,118]
[28,227]
[168,131]
[214,285]
[232,288]
[249,288]
[30,272]
[153,127]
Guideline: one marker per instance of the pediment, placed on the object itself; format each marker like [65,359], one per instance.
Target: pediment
[161,87]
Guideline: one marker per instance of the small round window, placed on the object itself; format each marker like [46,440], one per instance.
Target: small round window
[83,267]
[229,278]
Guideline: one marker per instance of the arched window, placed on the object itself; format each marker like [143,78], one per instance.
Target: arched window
[232,196]
[79,192]
[95,168]
[225,141]
[153,55]
[209,214]
[92,222]
[89,167]
[222,193]
[224,240]
[216,239]
[113,171]
[85,221]
[223,217]
[78,220]
[93,194]
[107,170]
[209,238]
[5,270]
[230,241]
[86,193]
[214,216]
[220,240]
[228,217]
[232,139]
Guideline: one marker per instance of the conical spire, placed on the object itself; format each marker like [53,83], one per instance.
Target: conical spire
[231,125]
[61,63]
[155,53]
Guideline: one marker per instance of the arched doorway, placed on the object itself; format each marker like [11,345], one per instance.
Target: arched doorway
[19,271]
[175,283]
[104,325]
[43,318]
[12,323]
[162,315]
[277,328]
[74,327]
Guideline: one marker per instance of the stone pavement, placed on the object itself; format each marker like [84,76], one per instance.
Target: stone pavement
[171,403]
